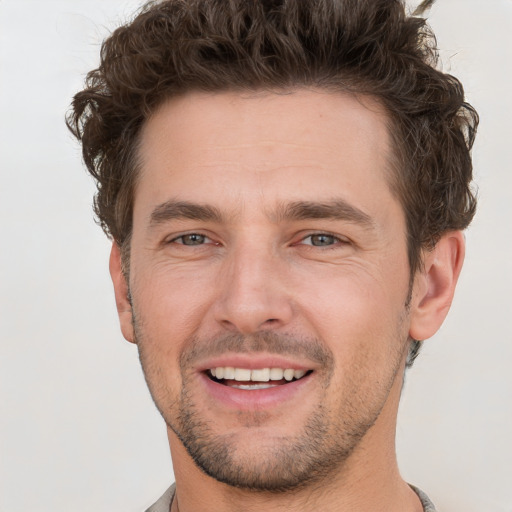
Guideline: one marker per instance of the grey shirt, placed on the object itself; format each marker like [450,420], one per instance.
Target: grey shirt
[164,503]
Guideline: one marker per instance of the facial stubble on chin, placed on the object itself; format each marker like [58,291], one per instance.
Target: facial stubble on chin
[285,463]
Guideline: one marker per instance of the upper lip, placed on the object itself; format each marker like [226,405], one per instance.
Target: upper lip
[253,362]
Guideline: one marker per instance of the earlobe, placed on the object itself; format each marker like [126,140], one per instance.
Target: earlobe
[434,286]
[121,291]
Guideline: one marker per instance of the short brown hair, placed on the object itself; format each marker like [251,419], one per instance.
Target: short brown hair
[361,46]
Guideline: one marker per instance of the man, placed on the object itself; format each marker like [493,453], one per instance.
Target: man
[285,184]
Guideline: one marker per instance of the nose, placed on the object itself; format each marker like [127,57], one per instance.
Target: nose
[253,295]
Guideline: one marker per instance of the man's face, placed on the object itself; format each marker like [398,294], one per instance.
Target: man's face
[267,244]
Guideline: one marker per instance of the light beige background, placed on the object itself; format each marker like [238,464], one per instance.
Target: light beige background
[78,431]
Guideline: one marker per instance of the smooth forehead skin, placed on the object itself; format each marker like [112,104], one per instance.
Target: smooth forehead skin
[274,138]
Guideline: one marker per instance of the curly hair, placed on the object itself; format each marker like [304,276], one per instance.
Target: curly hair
[369,47]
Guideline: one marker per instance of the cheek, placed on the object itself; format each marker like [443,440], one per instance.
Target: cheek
[366,299]
[359,316]
[166,315]
[171,302]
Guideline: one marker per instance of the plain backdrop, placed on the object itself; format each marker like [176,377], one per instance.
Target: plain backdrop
[78,430]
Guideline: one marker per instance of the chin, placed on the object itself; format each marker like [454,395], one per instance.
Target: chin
[257,458]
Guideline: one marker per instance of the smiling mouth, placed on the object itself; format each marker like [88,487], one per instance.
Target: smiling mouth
[261,378]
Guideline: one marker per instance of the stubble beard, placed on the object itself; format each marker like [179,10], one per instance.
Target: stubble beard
[323,446]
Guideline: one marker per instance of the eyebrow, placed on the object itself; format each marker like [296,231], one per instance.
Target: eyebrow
[171,210]
[337,209]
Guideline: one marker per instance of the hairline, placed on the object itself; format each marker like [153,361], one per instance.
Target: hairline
[394,171]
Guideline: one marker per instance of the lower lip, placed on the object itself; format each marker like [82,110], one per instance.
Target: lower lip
[256,399]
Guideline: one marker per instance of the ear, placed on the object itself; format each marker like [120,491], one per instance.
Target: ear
[434,285]
[121,291]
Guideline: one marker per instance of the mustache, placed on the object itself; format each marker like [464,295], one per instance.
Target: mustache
[265,341]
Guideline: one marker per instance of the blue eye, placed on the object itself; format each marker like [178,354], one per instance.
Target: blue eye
[191,239]
[321,240]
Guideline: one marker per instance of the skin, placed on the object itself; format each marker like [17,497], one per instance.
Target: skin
[256,284]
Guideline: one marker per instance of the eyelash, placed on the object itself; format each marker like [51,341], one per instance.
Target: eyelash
[335,240]
[182,237]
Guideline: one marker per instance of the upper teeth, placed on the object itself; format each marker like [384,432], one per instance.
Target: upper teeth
[260,375]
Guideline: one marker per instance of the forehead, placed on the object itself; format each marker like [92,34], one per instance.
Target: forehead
[295,145]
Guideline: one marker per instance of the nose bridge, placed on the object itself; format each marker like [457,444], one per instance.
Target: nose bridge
[254,294]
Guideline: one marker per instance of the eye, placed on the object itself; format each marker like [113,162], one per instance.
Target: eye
[191,239]
[321,240]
